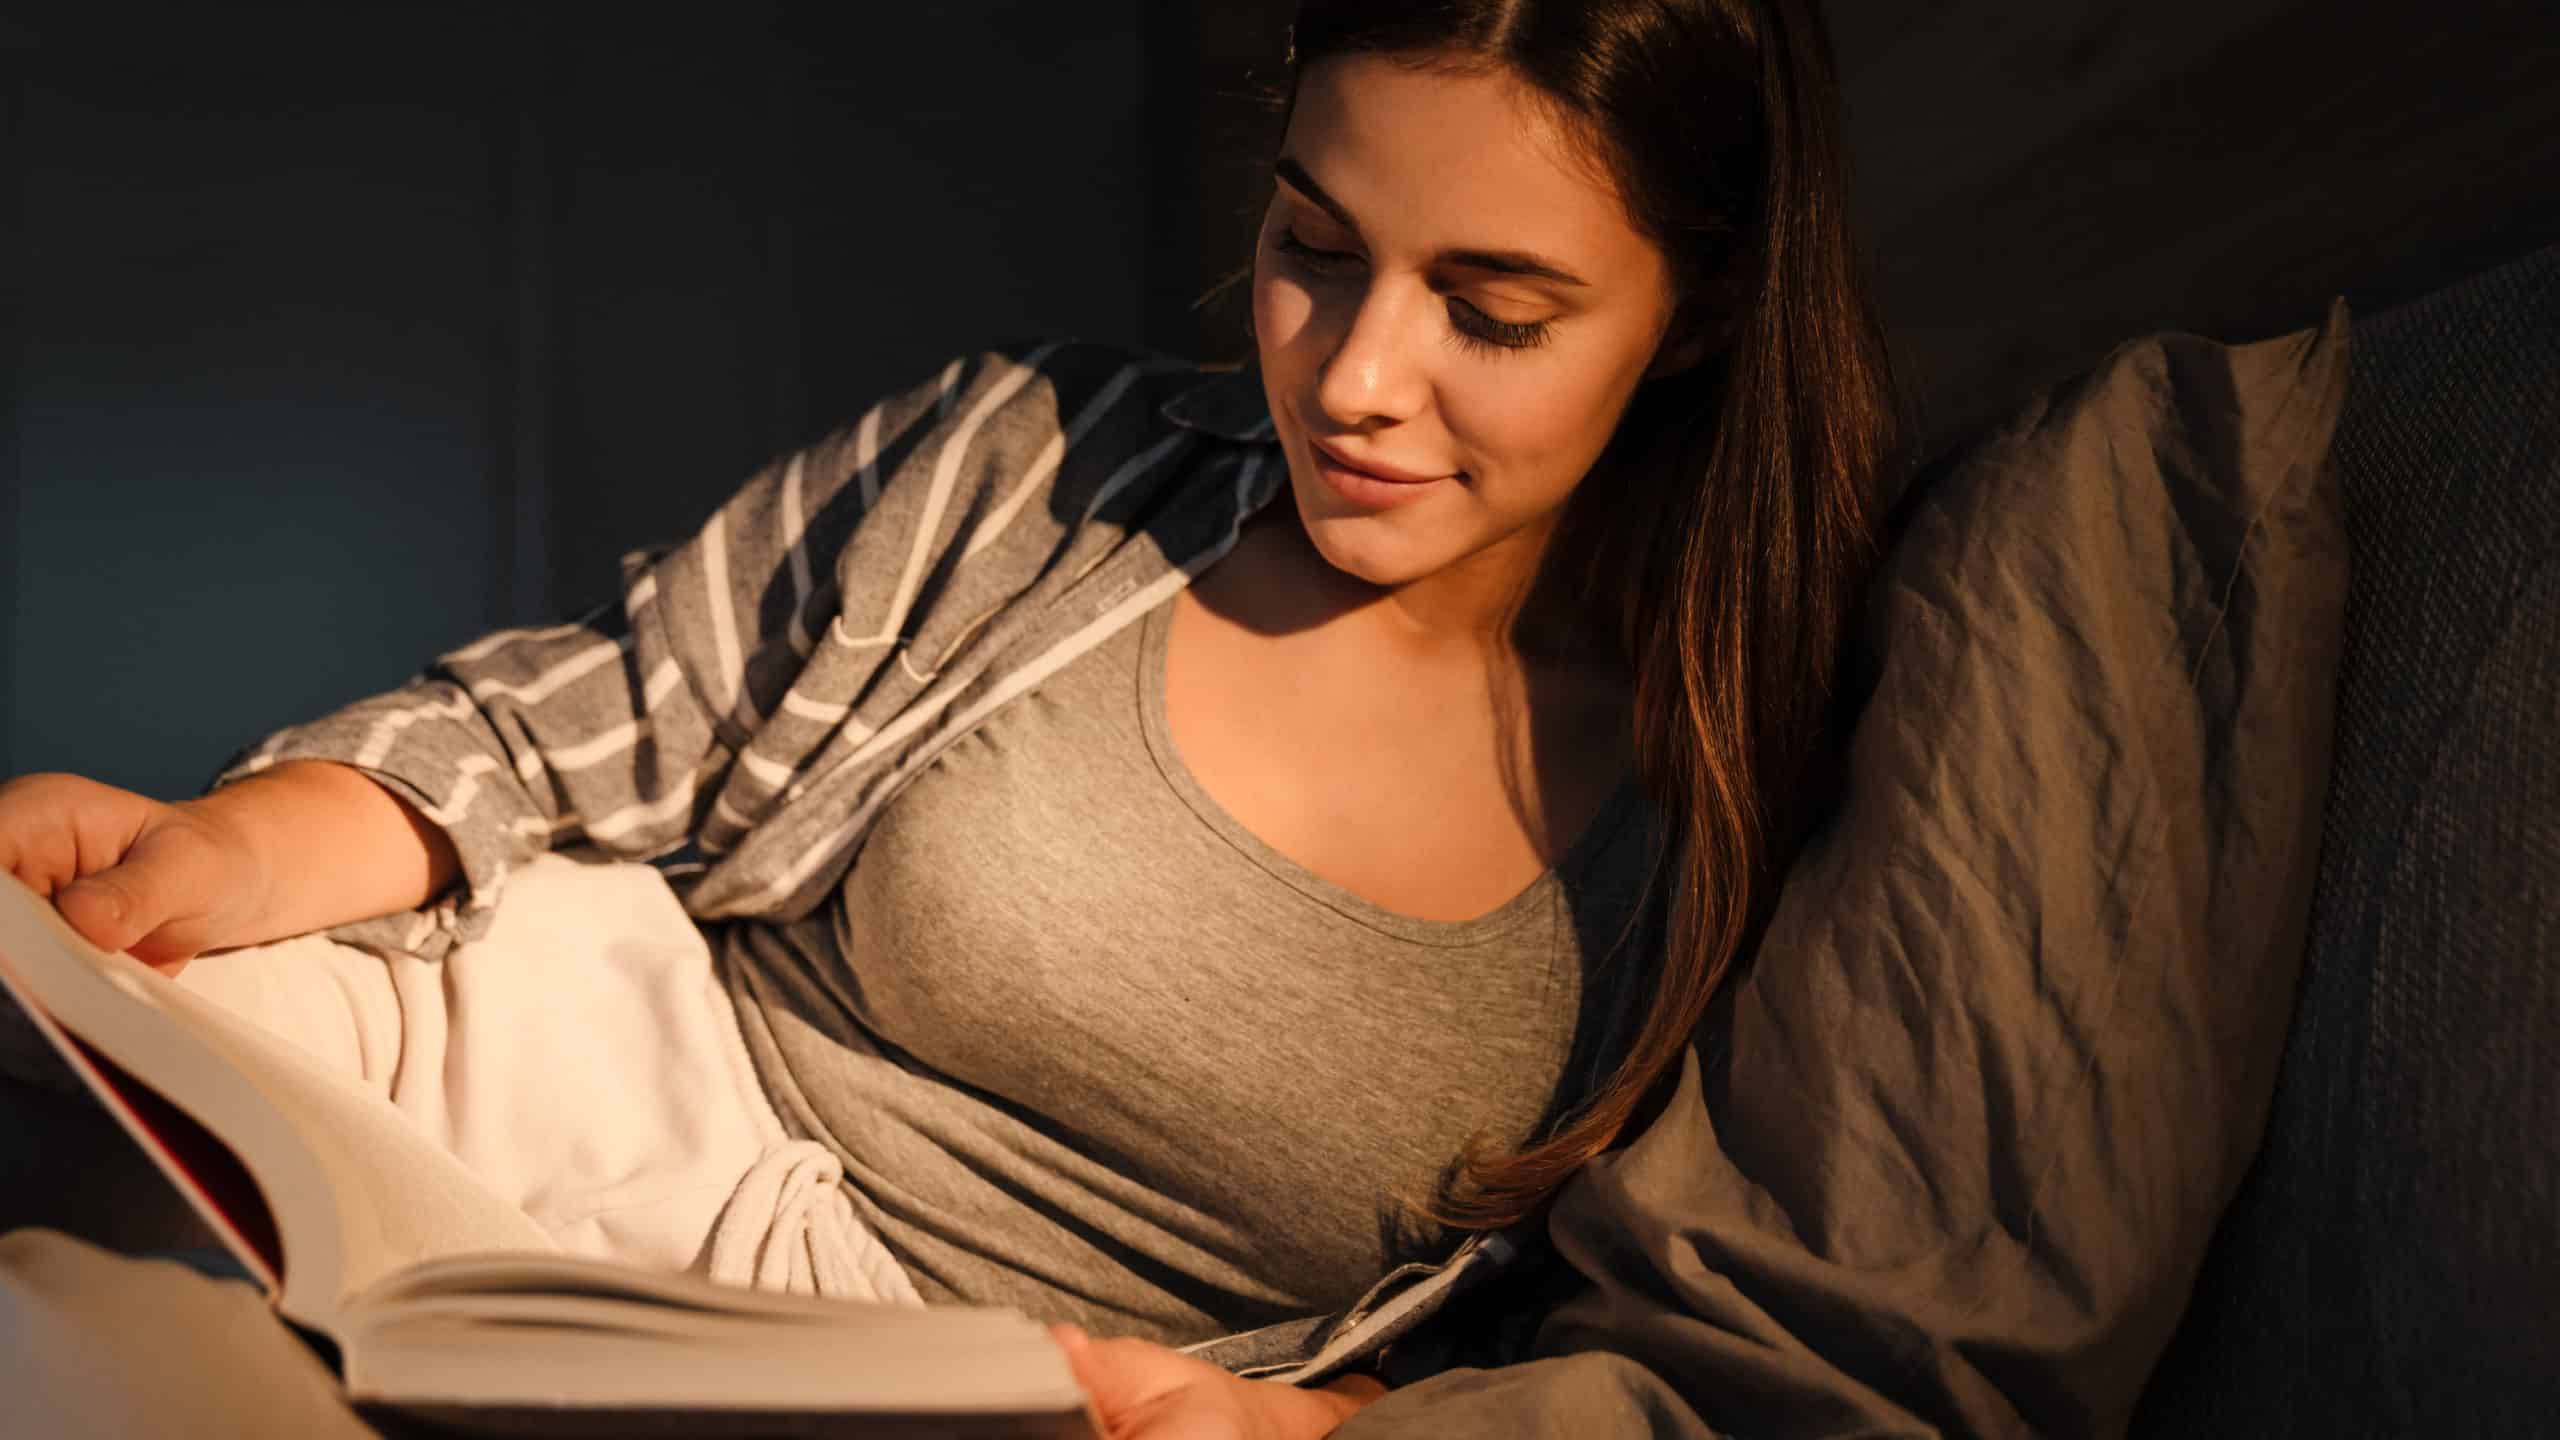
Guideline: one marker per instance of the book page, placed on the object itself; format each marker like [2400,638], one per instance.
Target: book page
[571,1350]
[522,1274]
[355,1191]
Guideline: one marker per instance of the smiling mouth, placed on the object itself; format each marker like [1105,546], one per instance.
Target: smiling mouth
[1335,457]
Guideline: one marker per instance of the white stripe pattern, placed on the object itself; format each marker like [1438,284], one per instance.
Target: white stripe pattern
[662,681]
[647,812]
[466,786]
[1001,435]
[1146,597]
[377,740]
[866,449]
[946,475]
[866,435]
[604,745]
[550,682]
[1136,465]
[838,634]
[824,712]
[489,644]
[772,773]
[1045,464]
[597,748]
[265,755]
[831,849]
[795,543]
[729,673]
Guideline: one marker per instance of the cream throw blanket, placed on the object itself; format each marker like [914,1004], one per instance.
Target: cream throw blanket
[583,1060]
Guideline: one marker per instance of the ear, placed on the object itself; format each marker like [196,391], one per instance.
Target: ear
[1685,341]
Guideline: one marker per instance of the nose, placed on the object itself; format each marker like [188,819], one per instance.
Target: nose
[1378,374]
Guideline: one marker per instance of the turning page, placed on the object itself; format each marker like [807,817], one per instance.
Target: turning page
[354,1191]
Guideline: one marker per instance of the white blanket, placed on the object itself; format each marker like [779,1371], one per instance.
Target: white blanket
[585,1062]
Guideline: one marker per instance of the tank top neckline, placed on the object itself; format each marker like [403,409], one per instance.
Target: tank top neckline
[1157,630]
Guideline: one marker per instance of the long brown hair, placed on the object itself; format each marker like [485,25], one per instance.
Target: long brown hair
[1733,534]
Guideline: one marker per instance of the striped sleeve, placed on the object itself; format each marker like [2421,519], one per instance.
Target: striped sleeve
[613,730]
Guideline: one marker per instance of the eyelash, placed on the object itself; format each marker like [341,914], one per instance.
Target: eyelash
[1481,333]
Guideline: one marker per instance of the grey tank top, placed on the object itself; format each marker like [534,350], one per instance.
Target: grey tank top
[1090,1048]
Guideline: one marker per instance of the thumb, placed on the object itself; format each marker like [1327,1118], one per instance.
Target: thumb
[1123,1377]
[103,908]
[1078,1348]
[112,908]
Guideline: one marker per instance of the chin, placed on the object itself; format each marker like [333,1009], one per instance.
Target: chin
[1361,546]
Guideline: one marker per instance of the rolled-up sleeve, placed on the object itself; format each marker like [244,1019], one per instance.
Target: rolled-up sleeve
[523,740]
[613,730]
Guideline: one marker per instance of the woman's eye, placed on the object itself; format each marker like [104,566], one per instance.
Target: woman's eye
[1322,262]
[1469,327]
[1474,329]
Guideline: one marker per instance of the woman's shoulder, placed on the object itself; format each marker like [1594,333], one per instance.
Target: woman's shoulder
[1060,425]
[1078,385]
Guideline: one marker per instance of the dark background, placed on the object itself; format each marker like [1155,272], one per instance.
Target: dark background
[336,335]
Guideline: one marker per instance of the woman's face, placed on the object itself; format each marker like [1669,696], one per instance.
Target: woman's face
[1444,290]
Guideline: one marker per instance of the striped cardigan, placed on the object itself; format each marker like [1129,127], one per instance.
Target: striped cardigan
[758,694]
[761,692]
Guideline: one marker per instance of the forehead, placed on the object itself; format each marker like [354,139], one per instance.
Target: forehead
[1427,160]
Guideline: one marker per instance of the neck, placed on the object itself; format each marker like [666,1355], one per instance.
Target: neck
[1501,607]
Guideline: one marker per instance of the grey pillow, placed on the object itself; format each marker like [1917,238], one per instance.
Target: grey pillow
[1948,1152]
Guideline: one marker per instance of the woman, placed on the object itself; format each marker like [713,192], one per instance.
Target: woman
[1577,400]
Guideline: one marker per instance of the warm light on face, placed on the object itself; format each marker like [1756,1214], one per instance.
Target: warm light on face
[1442,288]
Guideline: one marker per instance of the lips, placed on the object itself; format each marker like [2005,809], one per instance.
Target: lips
[1372,468]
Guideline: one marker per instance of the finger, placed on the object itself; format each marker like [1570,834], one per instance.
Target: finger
[167,949]
[1126,1376]
[171,877]
[120,904]
[69,827]
[44,860]
[102,909]
[1078,1348]
[105,910]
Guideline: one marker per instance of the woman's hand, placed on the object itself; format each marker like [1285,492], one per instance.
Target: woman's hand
[1147,1392]
[163,882]
[299,847]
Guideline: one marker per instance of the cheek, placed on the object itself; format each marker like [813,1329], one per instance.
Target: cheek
[1534,428]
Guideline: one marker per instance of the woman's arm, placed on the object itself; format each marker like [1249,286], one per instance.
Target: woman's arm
[330,846]
[300,847]
[617,730]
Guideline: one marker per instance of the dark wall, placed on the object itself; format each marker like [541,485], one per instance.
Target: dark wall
[349,332]
[2042,180]
[339,334]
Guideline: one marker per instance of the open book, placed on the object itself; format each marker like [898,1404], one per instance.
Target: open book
[447,1303]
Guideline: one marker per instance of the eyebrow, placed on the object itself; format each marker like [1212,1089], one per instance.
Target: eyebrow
[1504,262]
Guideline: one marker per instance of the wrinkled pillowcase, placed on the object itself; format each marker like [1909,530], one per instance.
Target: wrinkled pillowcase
[1951,1147]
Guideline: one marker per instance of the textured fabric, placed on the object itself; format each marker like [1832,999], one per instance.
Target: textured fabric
[790,1227]
[1091,1048]
[637,1133]
[743,713]
[1944,1159]
[2393,1265]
